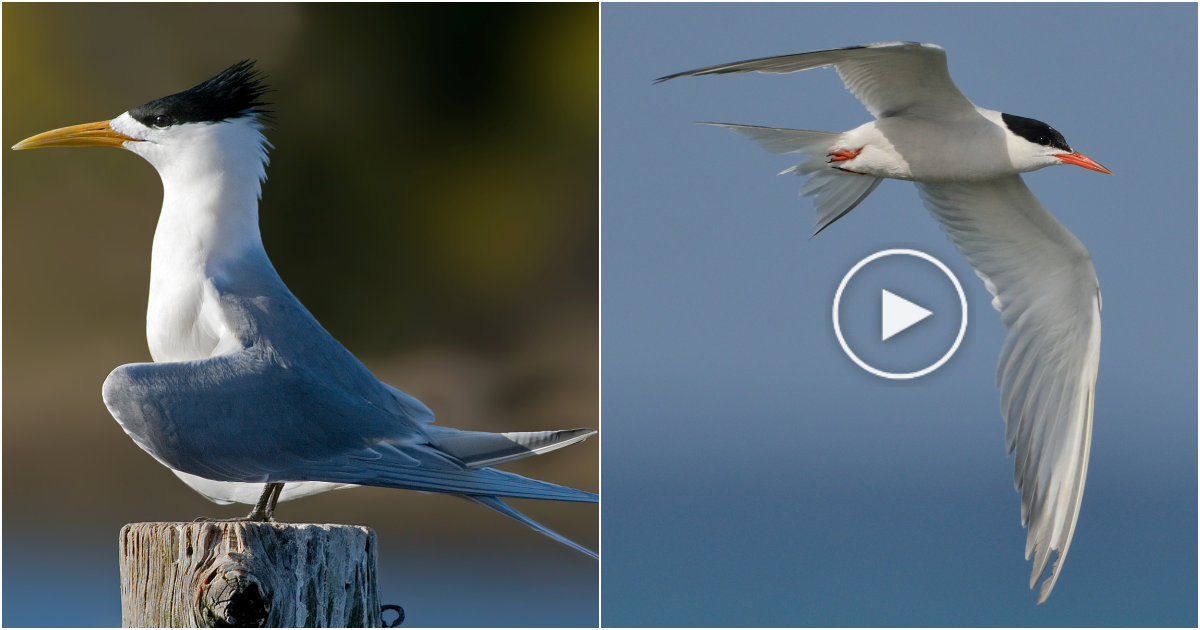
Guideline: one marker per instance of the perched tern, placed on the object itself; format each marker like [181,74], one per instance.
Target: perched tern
[966,162]
[246,388]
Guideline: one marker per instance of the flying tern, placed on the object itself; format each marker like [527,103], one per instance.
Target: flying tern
[966,162]
[249,399]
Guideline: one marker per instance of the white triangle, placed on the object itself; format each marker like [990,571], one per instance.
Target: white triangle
[899,314]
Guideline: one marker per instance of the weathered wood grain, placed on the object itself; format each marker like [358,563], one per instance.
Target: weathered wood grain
[245,574]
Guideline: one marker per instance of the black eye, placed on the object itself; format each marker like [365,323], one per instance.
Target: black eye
[161,121]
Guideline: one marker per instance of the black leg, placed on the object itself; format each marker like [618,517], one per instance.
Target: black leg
[265,508]
[274,502]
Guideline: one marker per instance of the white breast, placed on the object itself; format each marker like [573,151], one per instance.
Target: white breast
[183,319]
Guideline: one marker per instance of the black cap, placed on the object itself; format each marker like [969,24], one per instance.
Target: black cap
[1036,132]
[231,94]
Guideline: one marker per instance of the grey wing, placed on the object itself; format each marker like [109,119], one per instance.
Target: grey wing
[891,78]
[1048,296]
[245,416]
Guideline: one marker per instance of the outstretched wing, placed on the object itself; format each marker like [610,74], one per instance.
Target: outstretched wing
[1046,290]
[891,79]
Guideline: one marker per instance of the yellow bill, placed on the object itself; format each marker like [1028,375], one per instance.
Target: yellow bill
[97,134]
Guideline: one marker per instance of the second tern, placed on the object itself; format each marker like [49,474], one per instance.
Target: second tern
[966,162]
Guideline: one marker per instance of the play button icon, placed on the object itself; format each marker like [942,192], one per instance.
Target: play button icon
[899,314]
[922,280]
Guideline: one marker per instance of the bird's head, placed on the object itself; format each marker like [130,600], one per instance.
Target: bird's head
[1033,144]
[205,125]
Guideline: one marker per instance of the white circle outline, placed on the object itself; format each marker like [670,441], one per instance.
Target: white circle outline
[837,327]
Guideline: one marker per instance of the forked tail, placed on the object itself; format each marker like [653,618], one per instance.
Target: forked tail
[835,192]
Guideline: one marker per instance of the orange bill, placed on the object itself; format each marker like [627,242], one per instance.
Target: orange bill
[1079,159]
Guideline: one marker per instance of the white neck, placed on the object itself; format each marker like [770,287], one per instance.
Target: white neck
[208,229]
[210,211]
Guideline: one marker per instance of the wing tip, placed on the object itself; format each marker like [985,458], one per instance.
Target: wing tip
[496,504]
[1047,585]
[726,68]
[676,76]
[1041,559]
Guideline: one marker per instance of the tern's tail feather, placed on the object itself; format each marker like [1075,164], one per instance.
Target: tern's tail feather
[505,509]
[835,192]
[477,449]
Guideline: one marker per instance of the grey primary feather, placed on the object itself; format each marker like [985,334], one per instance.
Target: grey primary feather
[890,78]
[507,510]
[476,449]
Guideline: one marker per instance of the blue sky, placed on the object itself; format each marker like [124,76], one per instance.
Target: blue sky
[752,474]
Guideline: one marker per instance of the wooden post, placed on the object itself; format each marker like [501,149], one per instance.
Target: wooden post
[244,574]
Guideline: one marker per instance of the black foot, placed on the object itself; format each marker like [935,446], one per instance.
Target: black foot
[208,519]
[263,511]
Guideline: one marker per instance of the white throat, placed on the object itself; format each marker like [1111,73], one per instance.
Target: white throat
[212,177]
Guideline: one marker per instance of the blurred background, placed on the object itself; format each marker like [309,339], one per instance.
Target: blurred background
[758,476]
[432,199]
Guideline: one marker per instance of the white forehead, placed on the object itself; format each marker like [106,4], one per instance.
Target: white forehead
[125,124]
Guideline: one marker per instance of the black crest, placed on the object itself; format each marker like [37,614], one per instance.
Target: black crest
[227,95]
[1036,132]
